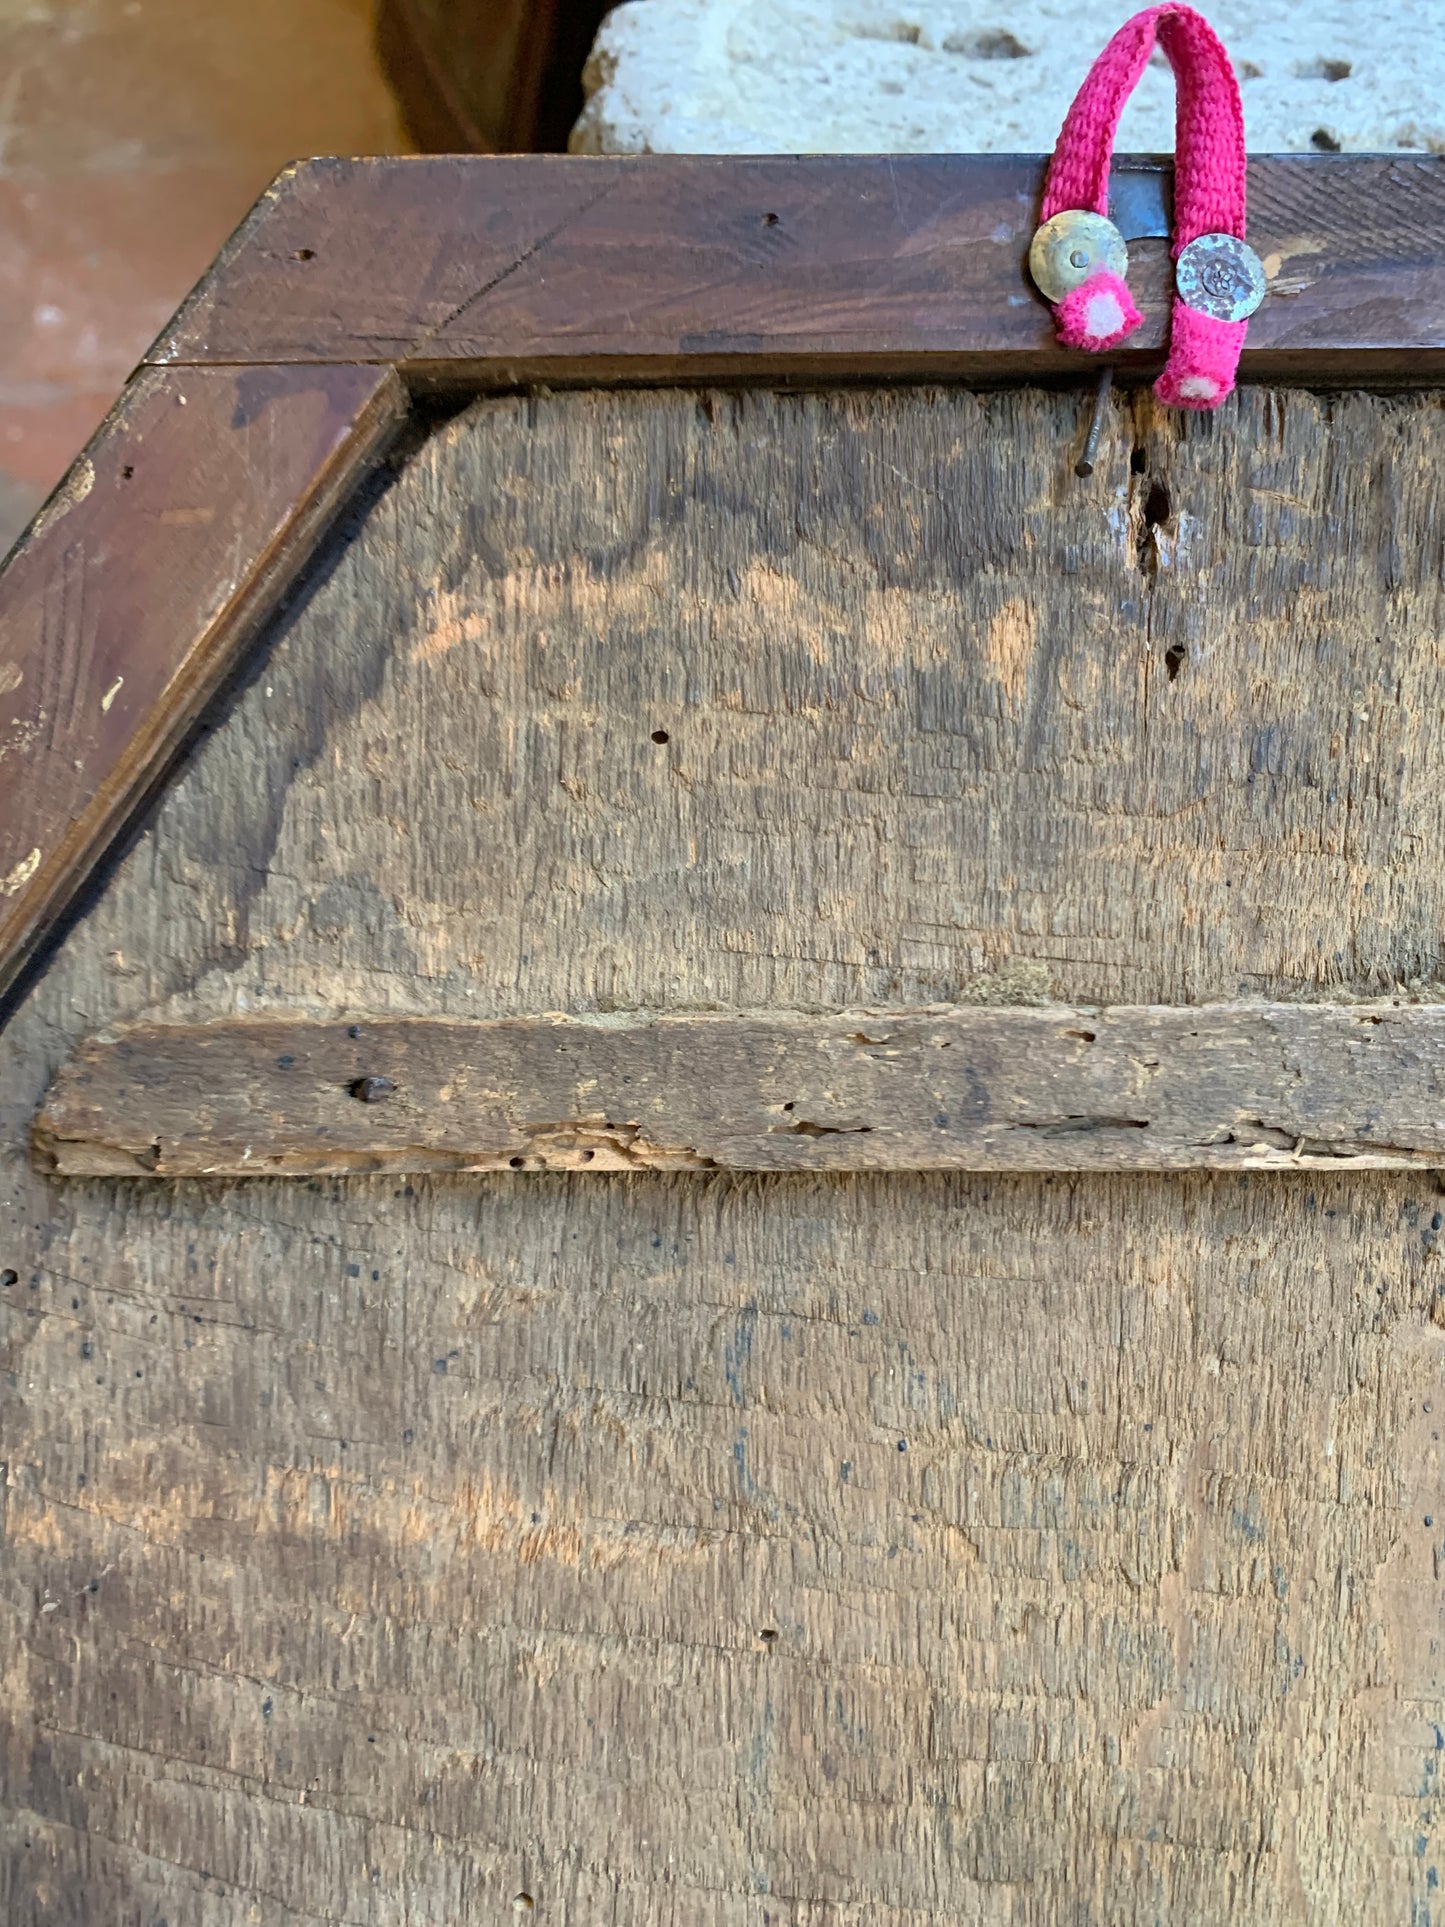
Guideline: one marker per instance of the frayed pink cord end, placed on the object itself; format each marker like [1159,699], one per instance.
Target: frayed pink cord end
[1099,315]
[1203,359]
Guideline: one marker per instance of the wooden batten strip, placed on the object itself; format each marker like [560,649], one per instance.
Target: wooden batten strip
[1245,1087]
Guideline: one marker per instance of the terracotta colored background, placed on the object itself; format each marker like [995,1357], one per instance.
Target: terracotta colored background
[134,134]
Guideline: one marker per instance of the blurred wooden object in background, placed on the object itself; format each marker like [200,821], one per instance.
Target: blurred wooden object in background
[488,76]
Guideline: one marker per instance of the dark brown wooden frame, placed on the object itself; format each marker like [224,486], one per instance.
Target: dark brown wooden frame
[355,286]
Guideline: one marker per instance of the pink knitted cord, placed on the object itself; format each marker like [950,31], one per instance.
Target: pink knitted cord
[1209,180]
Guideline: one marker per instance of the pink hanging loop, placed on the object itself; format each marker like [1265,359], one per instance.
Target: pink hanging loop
[1220,282]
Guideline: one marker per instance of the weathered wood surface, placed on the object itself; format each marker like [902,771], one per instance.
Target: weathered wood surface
[493,270]
[128,601]
[435,1545]
[1256,1087]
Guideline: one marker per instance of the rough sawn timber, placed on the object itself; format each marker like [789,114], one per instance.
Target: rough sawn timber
[1227,1087]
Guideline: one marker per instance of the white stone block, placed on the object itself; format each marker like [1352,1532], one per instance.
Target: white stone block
[972,76]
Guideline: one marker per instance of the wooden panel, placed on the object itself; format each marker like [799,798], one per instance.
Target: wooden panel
[127,602]
[932,708]
[878,1551]
[435,1544]
[490,271]
[1227,1087]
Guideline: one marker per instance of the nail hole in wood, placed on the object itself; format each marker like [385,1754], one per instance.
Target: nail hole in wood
[127,473]
[372,1090]
[1174,657]
[770,220]
[768,1635]
[517,1164]
[304,254]
[8,1278]
[523,1904]
[661,736]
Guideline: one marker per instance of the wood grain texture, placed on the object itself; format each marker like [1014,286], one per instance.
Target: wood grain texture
[434,1546]
[129,599]
[488,271]
[1227,1087]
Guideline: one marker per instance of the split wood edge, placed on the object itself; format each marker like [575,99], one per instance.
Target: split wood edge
[1227,1087]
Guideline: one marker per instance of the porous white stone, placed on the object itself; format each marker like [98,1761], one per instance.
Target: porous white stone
[991,76]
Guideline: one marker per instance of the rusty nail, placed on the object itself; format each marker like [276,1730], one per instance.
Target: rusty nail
[1085,463]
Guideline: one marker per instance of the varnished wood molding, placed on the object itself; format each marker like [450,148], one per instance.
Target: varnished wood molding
[1258,1087]
[127,603]
[488,270]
